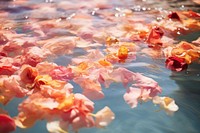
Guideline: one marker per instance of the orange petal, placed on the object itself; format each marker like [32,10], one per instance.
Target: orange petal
[67,103]
[168,100]
[111,40]
[83,66]
[123,53]
[105,63]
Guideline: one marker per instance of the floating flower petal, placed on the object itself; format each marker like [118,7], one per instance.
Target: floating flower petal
[7,124]
[166,103]
[104,117]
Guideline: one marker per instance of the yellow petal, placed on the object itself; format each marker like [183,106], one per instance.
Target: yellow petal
[168,100]
[104,63]
[66,103]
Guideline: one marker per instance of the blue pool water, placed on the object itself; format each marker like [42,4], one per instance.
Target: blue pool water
[184,87]
[146,117]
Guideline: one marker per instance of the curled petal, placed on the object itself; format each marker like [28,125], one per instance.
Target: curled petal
[186,51]
[154,37]
[28,74]
[123,53]
[176,64]
[174,16]
[166,103]
[47,80]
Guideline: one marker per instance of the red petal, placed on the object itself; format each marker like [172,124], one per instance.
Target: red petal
[7,124]
[176,64]
[174,16]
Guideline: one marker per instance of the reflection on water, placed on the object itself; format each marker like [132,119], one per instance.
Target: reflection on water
[184,87]
[147,118]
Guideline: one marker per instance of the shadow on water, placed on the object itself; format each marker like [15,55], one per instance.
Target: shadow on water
[188,97]
[189,80]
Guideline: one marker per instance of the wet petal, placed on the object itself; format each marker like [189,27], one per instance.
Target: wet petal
[104,117]
[7,124]
[54,127]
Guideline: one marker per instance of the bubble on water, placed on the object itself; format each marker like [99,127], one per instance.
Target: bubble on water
[187,73]
[159,18]
[117,9]
[71,16]
[182,7]
[137,8]
[93,12]
[26,17]
[144,8]
[117,15]
[49,1]
[58,20]
[158,9]
[178,32]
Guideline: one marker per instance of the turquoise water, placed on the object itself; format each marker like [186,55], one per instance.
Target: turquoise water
[184,87]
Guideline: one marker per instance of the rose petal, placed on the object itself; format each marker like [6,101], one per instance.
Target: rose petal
[7,124]
[54,127]
[104,117]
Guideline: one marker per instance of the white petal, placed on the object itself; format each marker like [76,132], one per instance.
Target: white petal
[173,107]
[104,117]
[157,100]
[54,127]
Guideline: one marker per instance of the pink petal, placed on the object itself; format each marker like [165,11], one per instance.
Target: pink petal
[131,96]
[62,73]
[147,83]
